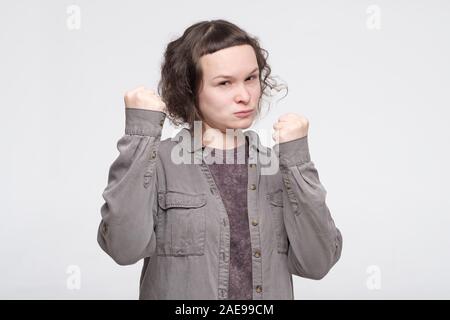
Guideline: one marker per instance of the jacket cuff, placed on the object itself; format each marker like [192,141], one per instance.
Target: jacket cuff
[294,152]
[144,122]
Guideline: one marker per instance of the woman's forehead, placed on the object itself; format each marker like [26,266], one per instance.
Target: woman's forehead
[229,62]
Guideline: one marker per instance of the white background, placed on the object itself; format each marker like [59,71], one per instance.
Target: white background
[377,100]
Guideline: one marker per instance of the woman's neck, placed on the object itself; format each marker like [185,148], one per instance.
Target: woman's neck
[215,138]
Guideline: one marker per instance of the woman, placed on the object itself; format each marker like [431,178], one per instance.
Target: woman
[208,228]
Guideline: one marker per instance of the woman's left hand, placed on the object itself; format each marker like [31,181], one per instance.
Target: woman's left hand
[290,126]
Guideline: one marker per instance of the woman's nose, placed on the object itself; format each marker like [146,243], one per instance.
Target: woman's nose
[242,94]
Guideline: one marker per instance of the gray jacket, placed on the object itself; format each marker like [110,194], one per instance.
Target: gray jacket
[170,214]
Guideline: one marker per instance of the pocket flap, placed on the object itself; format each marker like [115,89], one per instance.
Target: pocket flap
[173,199]
[276,198]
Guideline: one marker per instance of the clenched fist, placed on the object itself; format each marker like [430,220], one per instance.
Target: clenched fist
[290,126]
[142,98]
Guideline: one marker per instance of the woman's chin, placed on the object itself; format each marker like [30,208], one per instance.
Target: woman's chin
[241,124]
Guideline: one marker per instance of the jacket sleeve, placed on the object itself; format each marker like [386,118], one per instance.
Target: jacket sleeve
[315,242]
[126,231]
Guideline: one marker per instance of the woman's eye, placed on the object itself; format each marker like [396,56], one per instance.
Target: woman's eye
[225,82]
[252,78]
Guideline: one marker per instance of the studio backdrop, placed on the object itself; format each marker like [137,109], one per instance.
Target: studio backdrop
[372,77]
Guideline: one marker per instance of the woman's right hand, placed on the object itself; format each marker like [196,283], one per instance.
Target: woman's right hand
[142,98]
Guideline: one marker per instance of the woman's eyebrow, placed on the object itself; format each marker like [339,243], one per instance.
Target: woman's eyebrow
[231,77]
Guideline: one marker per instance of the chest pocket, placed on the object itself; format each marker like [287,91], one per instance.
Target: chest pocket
[276,212]
[181,224]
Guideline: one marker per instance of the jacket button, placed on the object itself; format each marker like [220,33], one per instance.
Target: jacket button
[105,228]
[223,292]
[258,289]
[252,187]
[257,253]
[254,223]
[161,123]
[223,256]
[153,154]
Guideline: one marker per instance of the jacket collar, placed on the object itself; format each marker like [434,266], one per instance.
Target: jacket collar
[266,159]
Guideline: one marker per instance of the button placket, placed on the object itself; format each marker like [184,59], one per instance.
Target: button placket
[224,246]
[253,197]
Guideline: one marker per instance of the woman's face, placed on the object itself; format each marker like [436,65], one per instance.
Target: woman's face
[230,84]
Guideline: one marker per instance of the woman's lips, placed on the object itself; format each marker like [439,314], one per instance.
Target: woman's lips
[243,114]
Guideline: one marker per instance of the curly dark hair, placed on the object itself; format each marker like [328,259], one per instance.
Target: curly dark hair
[181,72]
